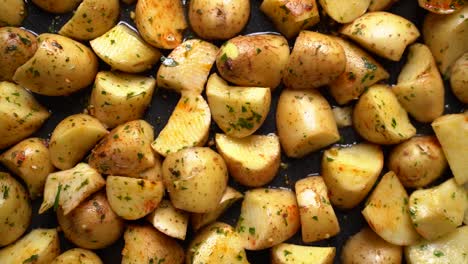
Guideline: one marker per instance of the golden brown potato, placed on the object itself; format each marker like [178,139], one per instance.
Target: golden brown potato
[57,6]
[459,78]
[17,46]
[13,12]
[77,256]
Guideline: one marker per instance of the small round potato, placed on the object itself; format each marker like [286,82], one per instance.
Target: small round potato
[92,224]
[418,161]
[218,19]
[77,256]
[459,78]
[57,6]
[13,12]
[17,46]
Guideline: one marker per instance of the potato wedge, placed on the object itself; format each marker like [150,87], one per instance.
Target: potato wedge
[188,125]
[420,89]
[124,50]
[386,212]
[442,7]
[13,12]
[77,256]
[305,122]
[126,150]
[361,72]
[366,247]
[69,188]
[345,12]
[459,78]
[318,219]
[195,179]
[119,97]
[17,46]
[160,22]
[15,209]
[73,138]
[292,254]
[350,172]
[217,243]
[291,16]
[383,33]
[230,196]
[170,220]
[20,114]
[187,67]
[57,7]
[144,244]
[40,246]
[132,198]
[379,5]
[255,60]
[92,19]
[379,118]
[238,111]
[316,60]
[452,133]
[252,161]
[268,217]
[30,160]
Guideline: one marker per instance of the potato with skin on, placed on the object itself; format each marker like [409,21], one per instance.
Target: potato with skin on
[217,243]
[443,7]
[291,16]
[351,172]
[169,220]
[17,46]
[160,22]
[238,111]
[218,19]
[316,60]
[345,12]
[305,122]
[452,132]
[123,49]
[418,161]
[379,5]
[188,125]
[383,33]
[379,118]
[459,78]
[145,244]
[20,114]
[77,256]
[254,60]
[30,160]
[268,217]
[13,12]
[126,150]
[40,246]
[93,224]
[72,138]
[387,212]
[318,219]
[119,97]
[366,247]
[252,161]
[291,254]
[153,173]
[195,178]
[187,67]
[57,6]
[15,209]
[361,72]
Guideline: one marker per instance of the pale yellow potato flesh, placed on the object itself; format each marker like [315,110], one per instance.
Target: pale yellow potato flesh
[170,220]
[291,254]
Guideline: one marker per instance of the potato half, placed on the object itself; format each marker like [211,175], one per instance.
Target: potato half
[57,7]
[17,46]
[347,11]
[13,12]
[383,33]
[170,220]
[292,254]
[77,256]
[459,78]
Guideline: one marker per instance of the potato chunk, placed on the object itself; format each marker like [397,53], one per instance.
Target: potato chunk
[77,256]
[345,11]
[17,46]
[170,220]
[292,254]
[459,78]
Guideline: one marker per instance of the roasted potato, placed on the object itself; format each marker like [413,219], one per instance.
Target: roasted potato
[195,179]
[238,111]
[13,13]
[343,116]
[170,220]
[379,118]
[57,6]
[255,60]
[383,33]
[350,172]
[345,11]
[93,224]
[153,173]
[268,217]
[387,212]
[316,60]
[305,122]
[366,247]
[418,161]
[30,160]
[73,138]
[160,22]
[292,254]
[459,78]
[77,256]
[119,97]
[379,5]
[442,7]
[17,46]
[15,209]
[20,114]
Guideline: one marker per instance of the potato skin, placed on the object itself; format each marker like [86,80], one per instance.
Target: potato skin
[57,7]
[77,256]
[13,12]
[17,46]
[218,19]
[459,78]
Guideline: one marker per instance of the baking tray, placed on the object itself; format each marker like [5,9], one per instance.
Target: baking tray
[163,102]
